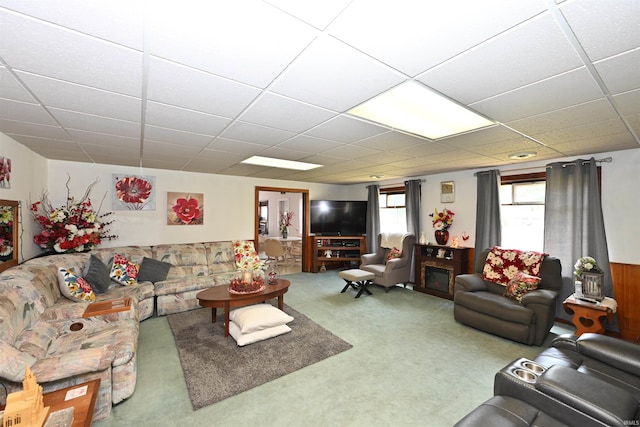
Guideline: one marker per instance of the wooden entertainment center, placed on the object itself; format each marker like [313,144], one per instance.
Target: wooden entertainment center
[344,250]
[437,266]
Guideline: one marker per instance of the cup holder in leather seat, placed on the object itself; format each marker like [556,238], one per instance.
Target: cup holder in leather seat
[533,367]
[525,375]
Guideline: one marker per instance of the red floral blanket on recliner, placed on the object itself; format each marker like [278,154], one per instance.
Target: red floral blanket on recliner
[502,265]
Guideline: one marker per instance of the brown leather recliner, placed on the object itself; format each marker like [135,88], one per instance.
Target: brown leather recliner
[480,304]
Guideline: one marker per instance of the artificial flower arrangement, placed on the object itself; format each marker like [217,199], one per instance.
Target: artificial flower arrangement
[286,220]
[585,264]
[6,231]
[74,227]
[442,220]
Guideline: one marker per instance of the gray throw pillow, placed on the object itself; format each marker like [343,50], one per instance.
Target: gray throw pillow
[97,274]
[152,270]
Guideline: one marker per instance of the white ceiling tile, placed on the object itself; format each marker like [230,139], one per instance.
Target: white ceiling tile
[604,27]
[284,153]
[248,132]
[173,84]
[531,52]
[247,41]
[49,50]
[80,121]
[390,141]
[120,21]
[622,72]
[567,89]
[10,88]
[628,102]
[176,137]
[25,112]
[237,147]
[356,79]
[153,150]
[309,144]
[84,99]
[94,138]
[579,133]
[33,129]
[285,113]
[481,137]
[182,119]
[413,36]
[37,143]
[346,129]
[351,152]
[318,14]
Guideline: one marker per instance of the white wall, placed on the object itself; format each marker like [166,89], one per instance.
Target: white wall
[28,179]
[620,200]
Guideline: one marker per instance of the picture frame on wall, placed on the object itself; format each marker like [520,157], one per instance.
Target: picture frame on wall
[133,192]
[447,192]
[185,208]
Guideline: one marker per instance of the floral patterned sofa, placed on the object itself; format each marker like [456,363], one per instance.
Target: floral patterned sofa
[42,328]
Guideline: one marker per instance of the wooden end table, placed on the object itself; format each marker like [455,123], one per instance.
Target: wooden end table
[220,297]
[83,405]
[587,316]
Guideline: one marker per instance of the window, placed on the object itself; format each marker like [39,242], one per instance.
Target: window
[393,212]
[522,211]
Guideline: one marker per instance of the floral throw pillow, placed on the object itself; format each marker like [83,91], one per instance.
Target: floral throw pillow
[124,271]
[502,265]
[246,255]
[393,253]
[521,284]
[73,287]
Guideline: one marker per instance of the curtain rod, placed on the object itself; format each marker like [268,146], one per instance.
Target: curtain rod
[400,183]
[605,160]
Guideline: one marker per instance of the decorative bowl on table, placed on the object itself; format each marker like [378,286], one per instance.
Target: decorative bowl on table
[247,283]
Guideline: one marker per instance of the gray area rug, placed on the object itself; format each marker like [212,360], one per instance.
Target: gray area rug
[216,368]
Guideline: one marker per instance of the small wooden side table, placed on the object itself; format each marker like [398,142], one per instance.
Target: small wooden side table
[81,397]
[587,316]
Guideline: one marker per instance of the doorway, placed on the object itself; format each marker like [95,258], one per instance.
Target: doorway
[270,202]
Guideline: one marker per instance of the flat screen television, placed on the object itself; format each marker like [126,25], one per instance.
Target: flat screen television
[338,218]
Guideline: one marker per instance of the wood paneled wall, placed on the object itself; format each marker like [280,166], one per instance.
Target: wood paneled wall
[626,291]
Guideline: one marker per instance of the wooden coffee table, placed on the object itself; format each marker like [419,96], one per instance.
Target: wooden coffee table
[220,297]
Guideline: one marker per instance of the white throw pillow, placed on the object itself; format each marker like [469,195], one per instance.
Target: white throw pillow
[244,339]
[257,317]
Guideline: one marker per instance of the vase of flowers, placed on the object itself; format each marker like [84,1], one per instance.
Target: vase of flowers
[441,222]
[286,220]
[74,227]
[589,279]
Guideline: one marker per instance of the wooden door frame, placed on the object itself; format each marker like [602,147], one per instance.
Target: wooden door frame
[306,263]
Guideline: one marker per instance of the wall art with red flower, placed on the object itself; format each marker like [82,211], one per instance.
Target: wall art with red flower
[5,172]
[185,208]
[133,193]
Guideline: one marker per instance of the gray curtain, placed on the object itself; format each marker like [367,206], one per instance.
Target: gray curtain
[574,225]
[373,217]
[412,195]
[488,229]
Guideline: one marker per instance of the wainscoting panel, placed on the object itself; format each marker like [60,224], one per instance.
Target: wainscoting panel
[626,289]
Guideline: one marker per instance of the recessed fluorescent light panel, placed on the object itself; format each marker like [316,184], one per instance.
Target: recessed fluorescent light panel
[280,163]
[414,108]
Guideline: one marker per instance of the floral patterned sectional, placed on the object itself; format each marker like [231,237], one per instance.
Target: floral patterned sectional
[41,323]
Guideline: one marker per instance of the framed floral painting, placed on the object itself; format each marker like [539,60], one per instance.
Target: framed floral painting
[185,208]
[133,192]
[5,172]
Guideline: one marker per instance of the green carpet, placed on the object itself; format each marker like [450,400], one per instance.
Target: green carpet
[411,365]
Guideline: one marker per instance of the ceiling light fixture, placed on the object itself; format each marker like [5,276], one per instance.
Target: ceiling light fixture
[376,176]
[279,163]
[415,108]
[523,155]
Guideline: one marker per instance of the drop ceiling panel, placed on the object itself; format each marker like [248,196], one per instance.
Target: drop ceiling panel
[285,113]
[25,112]
[356,79]
[80,121]
[49,50]
[604,27]
[568,89]
[245,149]
[36,143]
[248,132]
[94,138]
[586,131]
[346,129]
[432,31]
[173,84]
[119,21]
[622,72]
[628,102]
[154,150]
[169,116]
[33,129]
[481,137]
[318,14]
[85,99]
[11,89]
[390,141]
[284,153]
[531,52]
[176,137]
[248,41]
[309,144]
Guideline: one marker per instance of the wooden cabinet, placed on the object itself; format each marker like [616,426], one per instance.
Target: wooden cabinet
[337,251]
[436,268]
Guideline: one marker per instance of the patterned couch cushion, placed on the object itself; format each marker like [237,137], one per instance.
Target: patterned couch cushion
[221,257]
[188,259]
